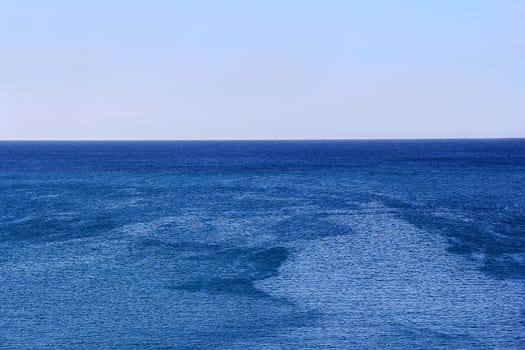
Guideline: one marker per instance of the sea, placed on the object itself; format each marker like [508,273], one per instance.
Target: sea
[383,244]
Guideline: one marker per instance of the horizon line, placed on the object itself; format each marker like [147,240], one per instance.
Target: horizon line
[266,139]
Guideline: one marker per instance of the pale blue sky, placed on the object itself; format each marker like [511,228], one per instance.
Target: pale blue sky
[204,69]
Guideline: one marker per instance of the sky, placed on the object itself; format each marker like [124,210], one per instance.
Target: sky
[261,69]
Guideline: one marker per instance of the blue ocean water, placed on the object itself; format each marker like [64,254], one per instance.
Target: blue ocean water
[262,245]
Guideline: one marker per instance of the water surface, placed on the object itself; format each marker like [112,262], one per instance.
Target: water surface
[263,245]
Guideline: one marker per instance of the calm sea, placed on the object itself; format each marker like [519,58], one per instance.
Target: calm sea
[262,245]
